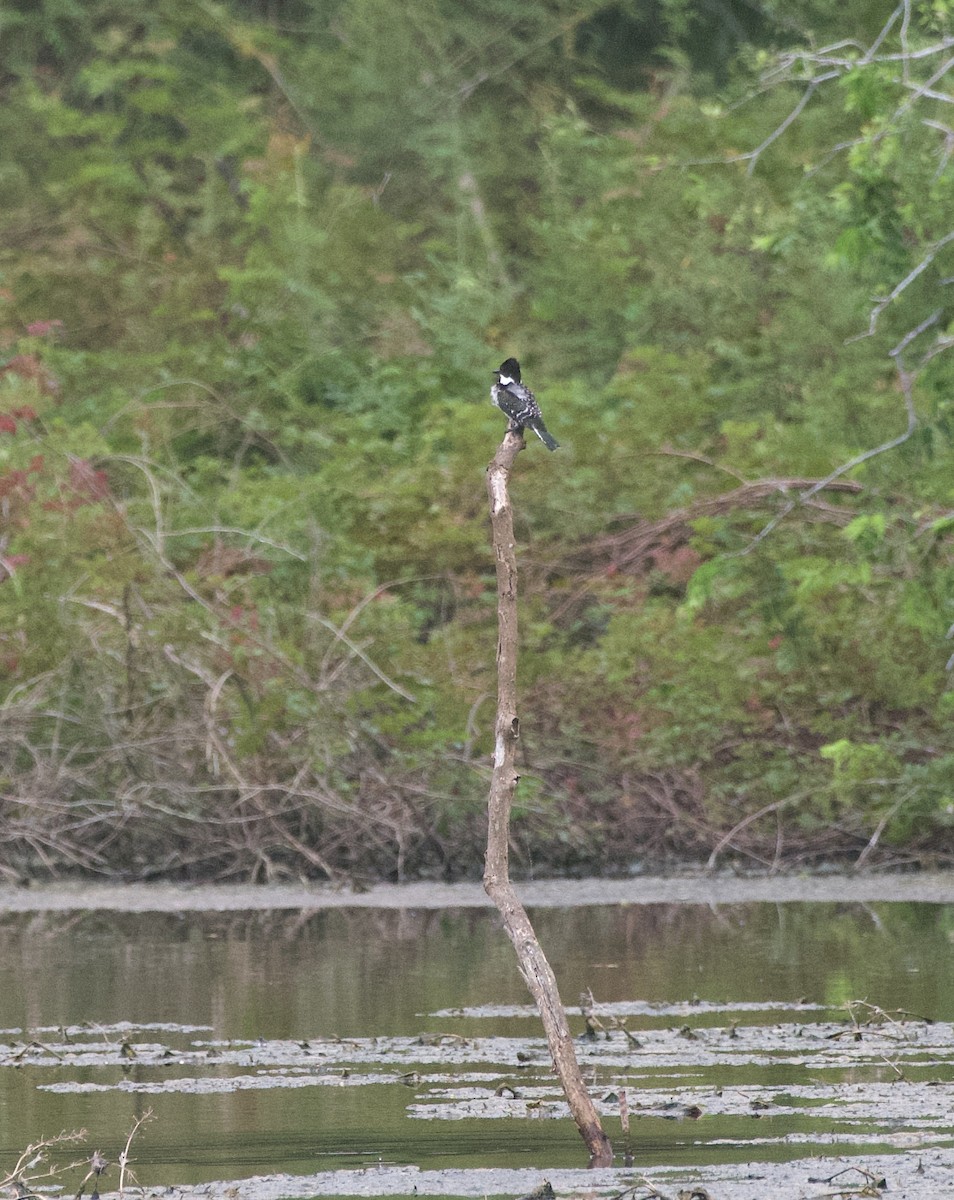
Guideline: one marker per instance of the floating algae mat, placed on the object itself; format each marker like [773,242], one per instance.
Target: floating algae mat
[392,1053]
[865,1078]
[721,1084]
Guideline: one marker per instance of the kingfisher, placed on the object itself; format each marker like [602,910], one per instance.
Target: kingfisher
[519,403]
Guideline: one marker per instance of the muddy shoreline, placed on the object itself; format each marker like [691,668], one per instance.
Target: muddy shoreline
[924,887]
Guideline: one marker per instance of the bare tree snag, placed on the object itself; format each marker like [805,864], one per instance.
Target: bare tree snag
[531,959]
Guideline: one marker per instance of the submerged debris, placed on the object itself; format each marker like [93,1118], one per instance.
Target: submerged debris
[810,1087]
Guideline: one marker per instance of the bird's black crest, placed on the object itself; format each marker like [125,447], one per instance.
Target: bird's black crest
[510,369]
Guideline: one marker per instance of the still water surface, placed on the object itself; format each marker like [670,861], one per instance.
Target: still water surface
[352,973]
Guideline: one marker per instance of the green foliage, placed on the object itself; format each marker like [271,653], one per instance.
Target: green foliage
[859,767]
[258,264]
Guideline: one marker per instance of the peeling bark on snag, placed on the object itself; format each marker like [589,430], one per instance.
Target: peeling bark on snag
[531,959]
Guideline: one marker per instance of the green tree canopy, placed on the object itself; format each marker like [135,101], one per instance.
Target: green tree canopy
[258,261]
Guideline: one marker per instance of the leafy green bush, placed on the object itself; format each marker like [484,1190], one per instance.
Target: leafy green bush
[258,264]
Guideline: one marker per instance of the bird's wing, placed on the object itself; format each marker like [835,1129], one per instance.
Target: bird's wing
[521,394]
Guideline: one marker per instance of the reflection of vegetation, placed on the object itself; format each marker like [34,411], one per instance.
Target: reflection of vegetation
[838,990]
[259,262]
[806,1073]
[347,974]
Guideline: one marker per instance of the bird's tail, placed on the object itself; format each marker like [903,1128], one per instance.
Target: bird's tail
[544,435]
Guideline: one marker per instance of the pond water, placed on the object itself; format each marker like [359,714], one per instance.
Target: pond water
[251,1035]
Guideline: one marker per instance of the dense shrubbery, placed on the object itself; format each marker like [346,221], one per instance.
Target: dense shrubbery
[259,261]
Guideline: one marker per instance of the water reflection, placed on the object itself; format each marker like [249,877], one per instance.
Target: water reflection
[350,973]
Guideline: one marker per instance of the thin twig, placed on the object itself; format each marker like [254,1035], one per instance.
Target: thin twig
[901,287]
[906,378]
[124,1156]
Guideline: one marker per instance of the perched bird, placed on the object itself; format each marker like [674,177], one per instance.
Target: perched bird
[519,403]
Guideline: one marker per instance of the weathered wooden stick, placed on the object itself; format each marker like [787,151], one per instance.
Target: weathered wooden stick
[531,959]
